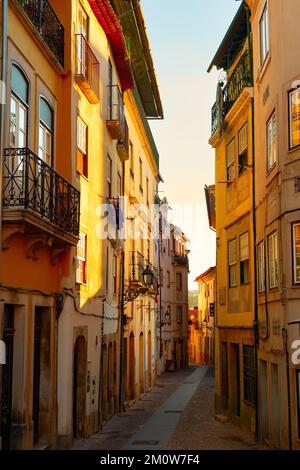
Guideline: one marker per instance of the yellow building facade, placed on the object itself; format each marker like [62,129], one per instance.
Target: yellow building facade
[77,105]
[232,117]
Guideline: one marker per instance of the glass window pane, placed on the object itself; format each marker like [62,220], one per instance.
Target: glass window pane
[46,114]
[19,84]
[295,118]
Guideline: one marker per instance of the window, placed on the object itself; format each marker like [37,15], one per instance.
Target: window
[108,177]
[82,147]
[261,267]
[243,149]
[19,101]
[45,132]
[179,281]
[271,142]
[232,261]
[244,259]
[141,176]
[83,28]
[179,313]
[115,273]
[249,374]
[168,279]
[131,159]
[273,260]
[230,157]
[296,252]
[147,191]
[294,118]
[264,35]
[81,257]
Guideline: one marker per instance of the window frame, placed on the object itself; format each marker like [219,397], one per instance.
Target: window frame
[243,260]
[290,93]
[115,274]
[109,177]
[46,131]
[294,224]
[232,163]
[141,175]
[264,34]
[82,235]
[231,264]
[179,283]
[20,103]
[275,286]
[261,274]
[241,153]
[274,141]
[82,153]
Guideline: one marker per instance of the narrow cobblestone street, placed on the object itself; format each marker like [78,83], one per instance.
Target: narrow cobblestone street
[178,414]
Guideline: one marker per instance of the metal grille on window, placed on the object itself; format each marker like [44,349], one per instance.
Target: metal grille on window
[249,374]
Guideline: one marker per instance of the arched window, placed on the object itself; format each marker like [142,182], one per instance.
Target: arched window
[45,131]
[19,100]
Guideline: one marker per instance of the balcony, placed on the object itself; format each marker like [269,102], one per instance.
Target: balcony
[116,121]
[87,73]
[239,79]
[44,19]
[180,260]
[38,198]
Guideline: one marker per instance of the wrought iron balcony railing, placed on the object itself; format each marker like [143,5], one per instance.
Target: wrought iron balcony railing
[87,72]
[29,183]
[47,24]
[240,78]
[180,260]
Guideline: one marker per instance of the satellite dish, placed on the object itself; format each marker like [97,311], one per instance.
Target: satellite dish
[2,353]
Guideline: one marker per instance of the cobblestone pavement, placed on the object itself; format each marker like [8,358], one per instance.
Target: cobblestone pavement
[197,428]
[123,426]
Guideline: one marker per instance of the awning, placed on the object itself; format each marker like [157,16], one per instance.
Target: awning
[114,33]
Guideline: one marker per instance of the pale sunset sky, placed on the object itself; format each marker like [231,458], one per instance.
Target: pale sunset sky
[184,36]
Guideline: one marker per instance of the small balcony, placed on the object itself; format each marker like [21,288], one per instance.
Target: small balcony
[180,260]
[87,73]
[44,19]
[240,78]
[116,121]
[35,196]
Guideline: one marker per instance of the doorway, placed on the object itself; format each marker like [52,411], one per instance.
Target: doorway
[141,363]
[149,360]
[7,376]
[224,375]
[264,401]
[131,367]
[79,387]
[275,407]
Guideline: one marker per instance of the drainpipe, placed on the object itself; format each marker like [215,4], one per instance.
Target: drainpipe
[2,117]
[255,322]
[122,316]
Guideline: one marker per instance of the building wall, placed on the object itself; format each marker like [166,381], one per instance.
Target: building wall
[277,208]
[235,305]
[173,334]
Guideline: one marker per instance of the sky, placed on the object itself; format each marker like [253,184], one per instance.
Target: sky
[184,36]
